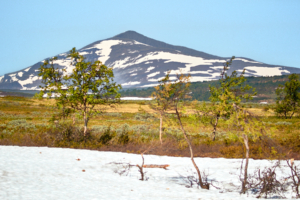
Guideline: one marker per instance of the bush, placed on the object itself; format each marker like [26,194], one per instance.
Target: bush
[266,108]
[106,136]
[66,132]
[283,123]
[123,134]
[144,117]
[20,124]
[113,114]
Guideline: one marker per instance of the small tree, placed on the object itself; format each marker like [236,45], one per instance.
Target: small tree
[230,92]
[288,97]
[176,92]
[226,100]
[162,100]
[90,84]
[243,124]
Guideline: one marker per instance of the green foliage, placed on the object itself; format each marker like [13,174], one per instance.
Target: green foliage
[106,136]
[266,108]
[288,97]
[163,94]
[231,91]
[123,134]
[225,97]
[89,84]
[66,132]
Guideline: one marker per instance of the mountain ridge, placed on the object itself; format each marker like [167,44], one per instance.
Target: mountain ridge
[140,61]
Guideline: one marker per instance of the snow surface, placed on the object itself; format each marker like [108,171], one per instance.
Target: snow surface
[149,85]
[190,61]
[129,51]
[131,83]
[56,173]
[13,77]
[20,74]
[266,71]
[149,68]
[153,74]
[244,60]
[104,48]
[1,77]
[135,98]
[30,80]
[136,42]
[27,69]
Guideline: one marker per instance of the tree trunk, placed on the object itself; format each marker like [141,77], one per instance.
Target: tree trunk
[202,185]
[215,128]
[160,127]
[141,168]
[73,119]
[246,164]
[86,119]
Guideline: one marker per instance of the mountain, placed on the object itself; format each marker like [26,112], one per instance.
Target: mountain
[139,61]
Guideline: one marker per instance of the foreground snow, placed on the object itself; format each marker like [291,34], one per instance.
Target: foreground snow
[55,173]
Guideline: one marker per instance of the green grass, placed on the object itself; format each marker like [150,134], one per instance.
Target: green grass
[26,121]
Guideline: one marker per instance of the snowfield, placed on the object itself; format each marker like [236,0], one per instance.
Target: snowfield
[56,173]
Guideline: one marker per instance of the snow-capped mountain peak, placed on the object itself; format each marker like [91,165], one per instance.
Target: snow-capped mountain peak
[139,61]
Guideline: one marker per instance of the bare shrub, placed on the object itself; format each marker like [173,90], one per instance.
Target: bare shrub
[265,183]
[295,176]
[123,168]
[192,179]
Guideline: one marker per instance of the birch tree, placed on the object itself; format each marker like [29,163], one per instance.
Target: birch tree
[162,100]
[230,92]
[89,85]
[175,92]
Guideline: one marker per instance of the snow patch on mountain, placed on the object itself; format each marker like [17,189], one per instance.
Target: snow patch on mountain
[249,61]
[131,83]
[27,69]
[149,85]
[132,51]
[13,77]
[153,74]
[136,42]
[149,69]
[104,48]
[190,61]
[20,74]
[120,62]
[30,80]
[266,71]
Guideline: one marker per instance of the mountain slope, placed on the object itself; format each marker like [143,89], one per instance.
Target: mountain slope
[139,61]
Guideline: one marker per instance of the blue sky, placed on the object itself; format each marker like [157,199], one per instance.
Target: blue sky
[267,31]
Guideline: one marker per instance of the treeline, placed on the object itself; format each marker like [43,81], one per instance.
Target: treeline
[265,87]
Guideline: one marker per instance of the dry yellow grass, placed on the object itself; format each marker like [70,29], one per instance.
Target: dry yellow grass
[128,108]
[261,112]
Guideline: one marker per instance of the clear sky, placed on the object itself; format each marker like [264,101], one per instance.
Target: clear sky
[264,30]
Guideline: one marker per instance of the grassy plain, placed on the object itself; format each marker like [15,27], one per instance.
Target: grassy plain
[133,127]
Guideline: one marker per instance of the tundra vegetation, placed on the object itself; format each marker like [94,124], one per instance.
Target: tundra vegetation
[229,125]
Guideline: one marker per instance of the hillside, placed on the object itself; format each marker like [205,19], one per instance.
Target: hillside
[265,87]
